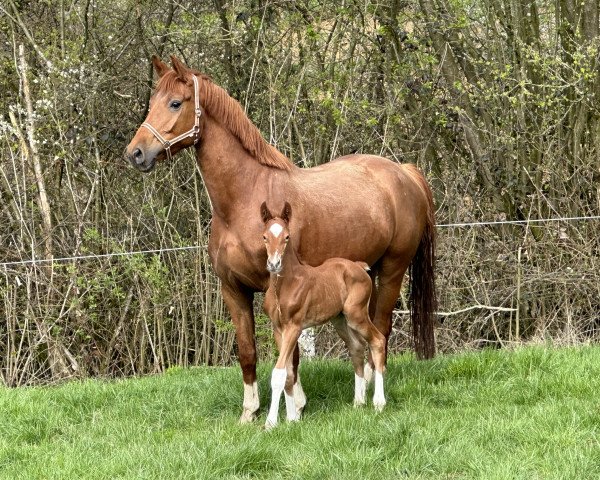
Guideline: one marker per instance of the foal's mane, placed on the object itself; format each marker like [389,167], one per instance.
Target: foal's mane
[227,111]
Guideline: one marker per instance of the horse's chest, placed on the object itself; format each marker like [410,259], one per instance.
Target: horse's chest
[236,261]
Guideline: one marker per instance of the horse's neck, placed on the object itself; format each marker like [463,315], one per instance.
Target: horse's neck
[229,172]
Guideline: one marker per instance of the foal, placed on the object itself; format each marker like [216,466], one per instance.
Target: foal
[301,296]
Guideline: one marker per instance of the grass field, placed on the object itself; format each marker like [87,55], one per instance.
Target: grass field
[533,413]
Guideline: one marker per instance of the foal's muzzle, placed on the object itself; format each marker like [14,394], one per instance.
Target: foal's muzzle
[274,265]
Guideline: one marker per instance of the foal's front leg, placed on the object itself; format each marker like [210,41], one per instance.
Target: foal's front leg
[279,377]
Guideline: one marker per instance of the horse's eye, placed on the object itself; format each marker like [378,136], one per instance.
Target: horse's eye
[287,237]
[265,238]
[175,105]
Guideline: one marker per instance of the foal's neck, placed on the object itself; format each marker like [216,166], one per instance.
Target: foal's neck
[289,264]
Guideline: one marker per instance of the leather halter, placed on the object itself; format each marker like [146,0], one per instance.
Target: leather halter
[193,132]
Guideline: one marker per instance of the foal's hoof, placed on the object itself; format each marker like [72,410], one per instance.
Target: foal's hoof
[247,416]
[378,405]
[269,425]
[359,403]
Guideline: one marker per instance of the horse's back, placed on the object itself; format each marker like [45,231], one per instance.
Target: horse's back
[373,203]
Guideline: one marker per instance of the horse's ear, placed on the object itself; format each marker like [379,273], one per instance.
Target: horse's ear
[179,67]
[264,213]
[286,213]
[160,67]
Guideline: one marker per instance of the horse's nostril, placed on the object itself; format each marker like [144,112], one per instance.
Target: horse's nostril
[138,156]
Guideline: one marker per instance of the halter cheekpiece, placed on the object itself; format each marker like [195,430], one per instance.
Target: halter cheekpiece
[193,132]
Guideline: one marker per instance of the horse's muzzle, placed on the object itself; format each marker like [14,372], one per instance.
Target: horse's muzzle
[140,160]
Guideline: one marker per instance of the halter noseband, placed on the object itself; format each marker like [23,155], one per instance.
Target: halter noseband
[193,132]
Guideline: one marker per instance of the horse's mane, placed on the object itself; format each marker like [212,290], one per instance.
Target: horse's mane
[227,111]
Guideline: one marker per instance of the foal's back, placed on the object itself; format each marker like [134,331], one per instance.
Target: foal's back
[336,286]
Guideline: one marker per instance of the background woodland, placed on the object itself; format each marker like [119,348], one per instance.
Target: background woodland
[498,101]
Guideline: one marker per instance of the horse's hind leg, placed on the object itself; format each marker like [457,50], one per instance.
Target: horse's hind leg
[356,348]
[391,275]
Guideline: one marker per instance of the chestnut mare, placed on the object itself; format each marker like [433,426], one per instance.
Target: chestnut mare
[301,296]
[359,207]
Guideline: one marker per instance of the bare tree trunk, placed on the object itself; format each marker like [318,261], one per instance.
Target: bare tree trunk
[34,157]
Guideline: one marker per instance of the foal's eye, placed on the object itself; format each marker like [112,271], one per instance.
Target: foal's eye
[265,238]
[287,237]
[175,105]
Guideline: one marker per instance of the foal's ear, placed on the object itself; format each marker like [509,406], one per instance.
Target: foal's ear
[180,68]
[264,213]
[160,67]
[286,213]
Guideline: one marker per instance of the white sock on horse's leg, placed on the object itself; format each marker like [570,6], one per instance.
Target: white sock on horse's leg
[360,390]
[378,397]
[278,378]
[251,403]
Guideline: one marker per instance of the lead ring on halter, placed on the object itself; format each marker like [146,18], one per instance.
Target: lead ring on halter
[193,132]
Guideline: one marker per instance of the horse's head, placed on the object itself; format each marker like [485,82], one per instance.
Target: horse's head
[174,121]
[276,235]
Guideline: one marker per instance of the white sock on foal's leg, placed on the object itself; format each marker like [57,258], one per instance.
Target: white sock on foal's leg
[378,396]
[368,373]
[360,390]
[278,378]
[251,403]
[299,397]
[290,408]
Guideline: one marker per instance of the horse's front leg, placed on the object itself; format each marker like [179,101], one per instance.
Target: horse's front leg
[239,303]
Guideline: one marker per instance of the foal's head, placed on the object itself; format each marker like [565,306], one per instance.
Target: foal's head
[276,235]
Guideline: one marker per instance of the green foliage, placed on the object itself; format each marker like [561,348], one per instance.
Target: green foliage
[498,106]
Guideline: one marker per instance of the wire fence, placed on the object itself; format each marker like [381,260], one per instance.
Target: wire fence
[153,308]
[73,258]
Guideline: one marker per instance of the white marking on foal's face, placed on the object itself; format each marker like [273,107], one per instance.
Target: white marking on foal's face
[276,229]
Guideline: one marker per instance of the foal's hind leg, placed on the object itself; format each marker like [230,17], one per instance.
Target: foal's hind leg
[356,346]
[297,391]
[357,316]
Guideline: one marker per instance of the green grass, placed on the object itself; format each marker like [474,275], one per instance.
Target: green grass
[532,414]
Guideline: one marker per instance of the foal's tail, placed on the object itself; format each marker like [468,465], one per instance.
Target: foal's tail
[422,292]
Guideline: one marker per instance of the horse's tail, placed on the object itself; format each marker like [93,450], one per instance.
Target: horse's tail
[422,291]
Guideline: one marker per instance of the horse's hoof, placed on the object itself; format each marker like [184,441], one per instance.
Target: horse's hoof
[359,403]
[247,416]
